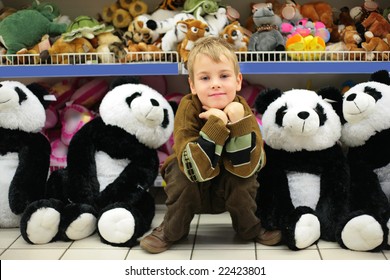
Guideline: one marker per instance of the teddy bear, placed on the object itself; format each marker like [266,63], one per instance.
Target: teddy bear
[193,29]
[24,150]
[111,162]
[351,38]
[375,23]
[379,46]
[304,185]
[25,28]
[267,37]
[62,52]
[365,133]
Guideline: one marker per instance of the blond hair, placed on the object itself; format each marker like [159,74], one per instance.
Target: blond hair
[213,47]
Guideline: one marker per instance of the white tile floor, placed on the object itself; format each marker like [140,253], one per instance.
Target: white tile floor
[211,238]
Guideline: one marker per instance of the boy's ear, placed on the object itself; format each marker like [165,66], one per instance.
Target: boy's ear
[265,98]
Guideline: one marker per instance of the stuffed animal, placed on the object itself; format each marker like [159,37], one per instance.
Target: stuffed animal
[375,23]
[138,31]
[366,133]
[111,162]
[24,150]
[85,27]
[200,8]
[267,37]
[321,11]
[237,36]
[304,185]
[379,46]
[62,52]
[194,29]
[351,38]
[25,28]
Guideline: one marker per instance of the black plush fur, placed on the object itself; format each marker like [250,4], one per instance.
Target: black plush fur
[276,210]
[32,149]
[29,181]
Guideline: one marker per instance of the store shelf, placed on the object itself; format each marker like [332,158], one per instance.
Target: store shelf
[81,65]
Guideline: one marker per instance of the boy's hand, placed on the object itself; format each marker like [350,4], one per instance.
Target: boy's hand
[234,111]
[215,112]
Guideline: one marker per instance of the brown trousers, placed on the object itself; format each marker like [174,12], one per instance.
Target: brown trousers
[226,192]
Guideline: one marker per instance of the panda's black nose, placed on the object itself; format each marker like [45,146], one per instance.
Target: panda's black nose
[154,102]
[303,115]
[351,97]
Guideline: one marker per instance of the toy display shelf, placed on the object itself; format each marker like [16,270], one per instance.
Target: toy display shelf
[88,64]
[168,63]
[310,62]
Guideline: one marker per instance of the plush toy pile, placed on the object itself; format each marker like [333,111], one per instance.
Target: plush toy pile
[130,28]
[112,161]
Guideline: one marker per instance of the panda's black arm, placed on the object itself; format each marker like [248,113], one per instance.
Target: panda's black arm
[138,176]
[273,196]
[83,186]
[29,182]
[335,184]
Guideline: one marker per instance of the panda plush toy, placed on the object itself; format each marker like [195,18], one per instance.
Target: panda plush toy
[366,133]
[111,162]
[24,150]
[304,186]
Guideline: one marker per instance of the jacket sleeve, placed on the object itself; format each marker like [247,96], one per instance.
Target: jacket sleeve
[198,143]
[244,149]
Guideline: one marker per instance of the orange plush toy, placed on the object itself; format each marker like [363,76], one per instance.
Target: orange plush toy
[194,29]
[377,24]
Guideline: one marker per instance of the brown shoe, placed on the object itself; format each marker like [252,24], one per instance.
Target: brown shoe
[155,242]
[269,237]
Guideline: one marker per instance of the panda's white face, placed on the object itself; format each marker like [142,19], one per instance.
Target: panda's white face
[139,110]
[300,120]
[20,109]
[366,111]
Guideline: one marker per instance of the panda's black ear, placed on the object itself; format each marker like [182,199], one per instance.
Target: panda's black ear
[40,91]
[266,97]
[174,106]
[381,76]
[124,80]
[334,97]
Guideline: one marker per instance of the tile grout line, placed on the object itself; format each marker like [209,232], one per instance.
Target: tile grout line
[196,234]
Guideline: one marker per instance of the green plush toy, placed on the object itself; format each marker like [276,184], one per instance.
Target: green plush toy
[201,7]
[25,28]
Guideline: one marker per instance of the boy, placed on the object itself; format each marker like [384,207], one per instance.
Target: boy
[218,152]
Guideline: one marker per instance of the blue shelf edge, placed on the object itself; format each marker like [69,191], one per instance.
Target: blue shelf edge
[150,68]
[312,67]
[83,70]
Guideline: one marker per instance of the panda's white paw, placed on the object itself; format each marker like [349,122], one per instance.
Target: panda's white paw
[307,231]
[82,227]
[117,225]
[362,233]
[43,225]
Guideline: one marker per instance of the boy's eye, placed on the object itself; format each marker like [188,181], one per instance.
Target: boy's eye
[204,78]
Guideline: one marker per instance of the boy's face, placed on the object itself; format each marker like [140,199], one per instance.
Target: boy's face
[215,83]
